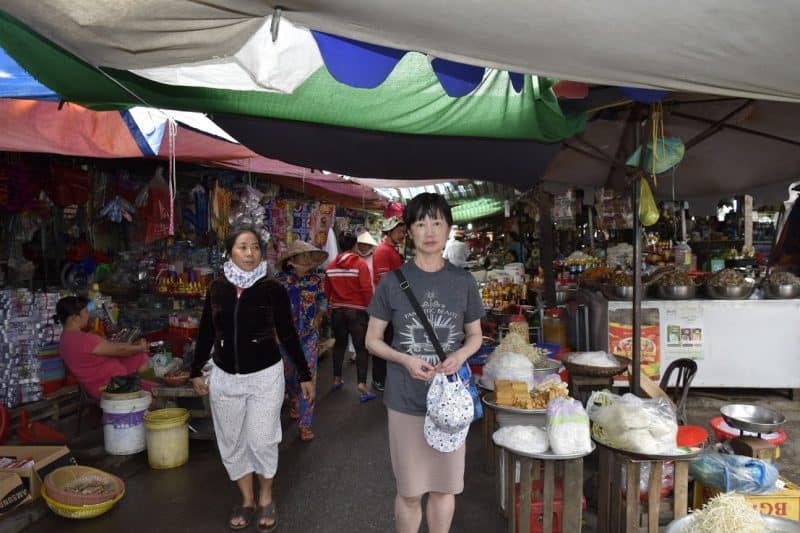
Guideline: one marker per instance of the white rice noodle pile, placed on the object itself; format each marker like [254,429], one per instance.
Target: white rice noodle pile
[526,439]
[511,366]
[601,359]
[727,512]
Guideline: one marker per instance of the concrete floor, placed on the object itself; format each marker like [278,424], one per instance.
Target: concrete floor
[341,481]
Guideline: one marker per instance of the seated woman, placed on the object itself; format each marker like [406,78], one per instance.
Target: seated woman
[91,359]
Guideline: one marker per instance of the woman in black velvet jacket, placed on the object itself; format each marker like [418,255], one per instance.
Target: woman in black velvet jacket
[243,312]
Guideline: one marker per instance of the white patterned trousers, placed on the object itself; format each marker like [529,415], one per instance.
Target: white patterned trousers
[246,412]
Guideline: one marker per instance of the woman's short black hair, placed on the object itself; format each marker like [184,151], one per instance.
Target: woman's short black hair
[346,240]
[69,306]
[427,204]
[234,233]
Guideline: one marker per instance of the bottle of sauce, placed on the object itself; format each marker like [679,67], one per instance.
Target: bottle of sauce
[555,327]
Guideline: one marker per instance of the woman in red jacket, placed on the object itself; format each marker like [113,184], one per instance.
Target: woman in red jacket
[348,285]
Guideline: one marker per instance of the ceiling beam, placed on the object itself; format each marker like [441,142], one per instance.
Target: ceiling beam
[737,128]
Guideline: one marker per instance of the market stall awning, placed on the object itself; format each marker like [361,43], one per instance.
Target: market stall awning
[408,127]
[70,129]
[755,150]
[708,46]
[410,101]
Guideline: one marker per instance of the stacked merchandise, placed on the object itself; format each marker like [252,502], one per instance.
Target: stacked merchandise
[27,325]
[52,373]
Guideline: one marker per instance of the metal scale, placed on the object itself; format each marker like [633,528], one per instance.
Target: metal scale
[755,419]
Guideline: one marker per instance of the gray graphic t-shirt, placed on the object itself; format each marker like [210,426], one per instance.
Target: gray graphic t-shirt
[450,299]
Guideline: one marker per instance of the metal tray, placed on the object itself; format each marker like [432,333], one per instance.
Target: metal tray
[752,417]
[774,524]
[576,369]
[548,455]
[679,453]
[488,400]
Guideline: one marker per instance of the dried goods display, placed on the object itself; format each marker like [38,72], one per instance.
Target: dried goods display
[727,277]
[783,278]
[621,279]
[676,278]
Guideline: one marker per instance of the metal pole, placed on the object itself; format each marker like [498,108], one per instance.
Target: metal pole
[637,289]
[637,265]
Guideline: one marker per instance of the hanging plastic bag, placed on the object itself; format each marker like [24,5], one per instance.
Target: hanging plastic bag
[648,210]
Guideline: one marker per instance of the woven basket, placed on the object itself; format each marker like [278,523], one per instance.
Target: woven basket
[576,369]
[79,511]
[58,479]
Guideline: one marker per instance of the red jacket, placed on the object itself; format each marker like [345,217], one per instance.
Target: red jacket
[385,259]
[347,282]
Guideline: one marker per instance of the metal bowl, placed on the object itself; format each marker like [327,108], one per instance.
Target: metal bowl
[677,292]
[545,367]
[785,291]
[773,523]
[752,417]
[613,292]
[739,292]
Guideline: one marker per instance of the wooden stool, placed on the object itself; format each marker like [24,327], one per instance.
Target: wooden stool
[614,514]
[580,386]
[532,466]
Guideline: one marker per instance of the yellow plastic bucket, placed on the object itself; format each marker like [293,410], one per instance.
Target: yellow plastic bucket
[167,437]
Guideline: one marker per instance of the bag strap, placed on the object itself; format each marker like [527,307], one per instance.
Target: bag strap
[420,314]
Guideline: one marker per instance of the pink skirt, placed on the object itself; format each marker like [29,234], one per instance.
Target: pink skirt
[418,468]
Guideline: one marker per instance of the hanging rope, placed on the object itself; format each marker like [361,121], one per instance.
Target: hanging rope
[657,138]
[172,132]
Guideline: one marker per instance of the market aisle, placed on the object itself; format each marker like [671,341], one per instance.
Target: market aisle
[341,481]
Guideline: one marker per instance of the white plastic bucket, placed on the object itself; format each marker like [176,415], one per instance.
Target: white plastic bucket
[123,422]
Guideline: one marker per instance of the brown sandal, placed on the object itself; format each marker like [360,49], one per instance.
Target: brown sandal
[245,513]
[267,512]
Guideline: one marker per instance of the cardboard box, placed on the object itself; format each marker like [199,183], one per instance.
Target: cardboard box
[784,503]
[45,460]
[13,492]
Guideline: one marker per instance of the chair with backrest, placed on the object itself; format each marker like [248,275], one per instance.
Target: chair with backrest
[686,369]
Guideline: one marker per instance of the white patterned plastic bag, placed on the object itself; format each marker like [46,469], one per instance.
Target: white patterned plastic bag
[450,412]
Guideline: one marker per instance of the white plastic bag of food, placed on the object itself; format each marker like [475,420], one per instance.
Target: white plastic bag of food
[568,427]
[627,422]
[526,439]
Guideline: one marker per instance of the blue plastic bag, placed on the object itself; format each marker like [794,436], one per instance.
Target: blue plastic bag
[465,375]
[736,473]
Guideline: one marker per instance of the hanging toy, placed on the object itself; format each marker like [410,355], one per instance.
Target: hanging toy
[116,210]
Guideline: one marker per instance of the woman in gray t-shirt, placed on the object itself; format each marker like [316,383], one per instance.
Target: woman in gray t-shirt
[450,299]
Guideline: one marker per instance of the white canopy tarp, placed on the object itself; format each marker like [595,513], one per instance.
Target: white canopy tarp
[739,48]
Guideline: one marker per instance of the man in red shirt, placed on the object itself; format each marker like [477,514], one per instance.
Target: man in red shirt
[386,259]
[349,290]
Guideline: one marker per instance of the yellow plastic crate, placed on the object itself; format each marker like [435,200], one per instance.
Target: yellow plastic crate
[784,503]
